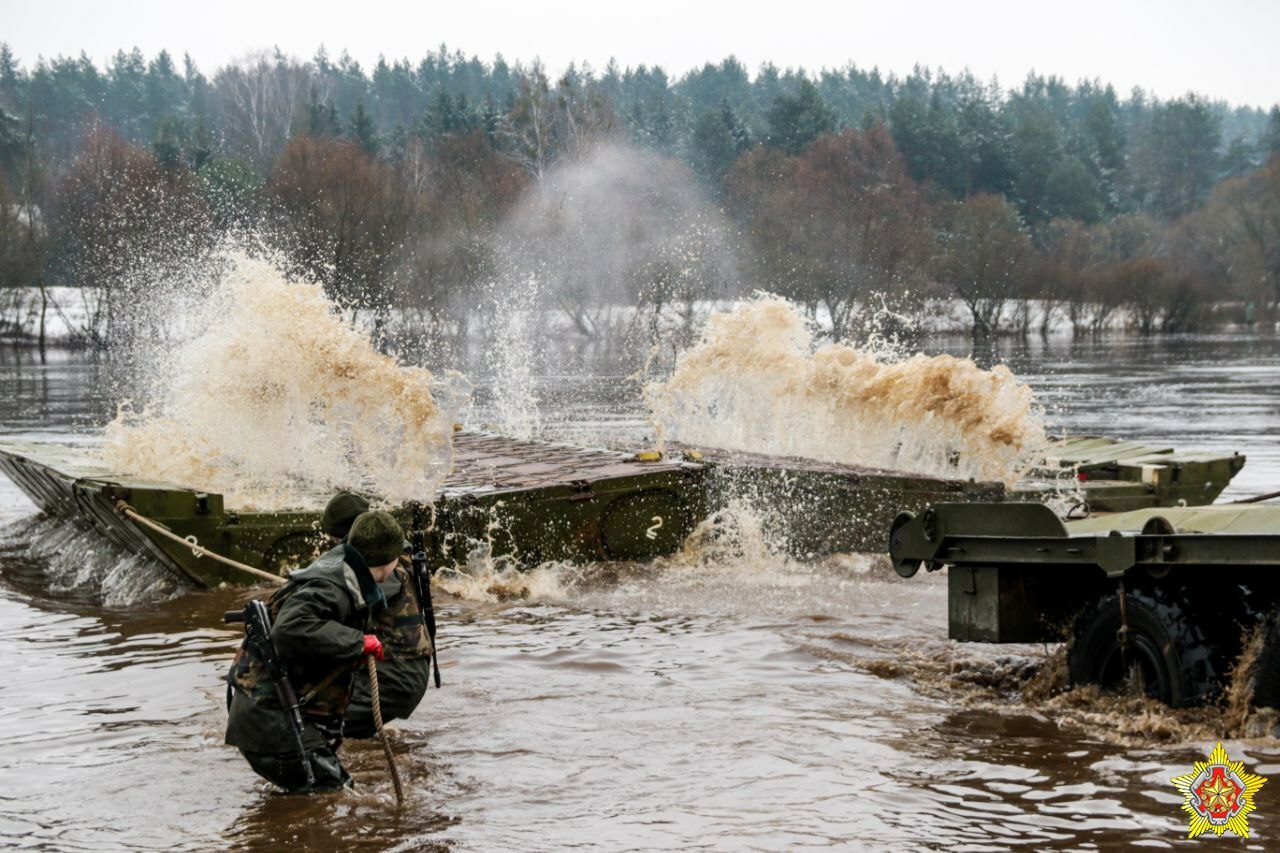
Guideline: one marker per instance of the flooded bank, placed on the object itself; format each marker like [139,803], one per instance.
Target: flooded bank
[731,699]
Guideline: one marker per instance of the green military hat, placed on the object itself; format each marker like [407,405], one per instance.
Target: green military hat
[340,512]
[378,537]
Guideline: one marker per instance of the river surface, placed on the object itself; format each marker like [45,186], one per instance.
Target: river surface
[738,701]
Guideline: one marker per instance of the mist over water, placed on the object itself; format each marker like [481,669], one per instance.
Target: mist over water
[608,258]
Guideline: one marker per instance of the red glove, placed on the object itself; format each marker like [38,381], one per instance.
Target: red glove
[372,646]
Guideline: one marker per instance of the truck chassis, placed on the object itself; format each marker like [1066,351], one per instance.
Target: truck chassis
[1157,598]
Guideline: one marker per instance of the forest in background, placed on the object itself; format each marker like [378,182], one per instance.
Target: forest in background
[409,188]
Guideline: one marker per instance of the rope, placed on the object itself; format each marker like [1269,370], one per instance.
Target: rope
[377,721]
[1258,498]
[196,548]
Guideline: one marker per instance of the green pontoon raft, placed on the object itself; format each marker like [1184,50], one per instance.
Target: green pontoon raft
[1118,476]
[528,501]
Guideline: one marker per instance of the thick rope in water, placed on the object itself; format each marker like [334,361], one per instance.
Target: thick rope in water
[196,548]
[382,735]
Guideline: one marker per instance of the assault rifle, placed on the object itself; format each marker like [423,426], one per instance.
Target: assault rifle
[257,637]
[422,585]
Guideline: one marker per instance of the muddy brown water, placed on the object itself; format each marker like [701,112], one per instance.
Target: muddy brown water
[735,701]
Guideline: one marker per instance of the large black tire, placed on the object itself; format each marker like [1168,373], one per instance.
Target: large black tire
[1168,653]
[1265,690]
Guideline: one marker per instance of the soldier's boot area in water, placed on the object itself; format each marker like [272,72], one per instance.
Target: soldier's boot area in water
[284,770]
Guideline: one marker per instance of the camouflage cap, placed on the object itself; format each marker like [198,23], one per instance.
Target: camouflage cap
[378,538]
[340,512]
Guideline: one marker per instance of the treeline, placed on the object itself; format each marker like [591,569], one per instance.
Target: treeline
[1040,203]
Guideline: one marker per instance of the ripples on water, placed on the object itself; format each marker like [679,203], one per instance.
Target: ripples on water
[744,701]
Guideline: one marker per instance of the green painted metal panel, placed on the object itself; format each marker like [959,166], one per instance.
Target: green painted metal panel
[526,501]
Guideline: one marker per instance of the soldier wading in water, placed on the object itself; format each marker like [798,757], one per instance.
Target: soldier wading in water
[403,627]
[322,623]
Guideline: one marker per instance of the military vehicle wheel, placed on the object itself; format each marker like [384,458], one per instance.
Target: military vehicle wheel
[1265,690]
[1168,658]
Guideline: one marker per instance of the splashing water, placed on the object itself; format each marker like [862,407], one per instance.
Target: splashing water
[756,382]
[79,561]
[730,563]
[1035,679]
[492,581]
[275,401]
[512,359]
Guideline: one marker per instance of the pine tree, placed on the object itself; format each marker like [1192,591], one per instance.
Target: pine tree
[1271,137]
[1071,191]
[10,77]
[1238,158]
[362,129]
[740,132]
[984,139]
[1037,145]
[713,148]
[796,120]
[1181,155]
[165,92]
[126,97]
[490,119]
[322,119]
[1106,137]
[10,141]
[169,142]
[441,117]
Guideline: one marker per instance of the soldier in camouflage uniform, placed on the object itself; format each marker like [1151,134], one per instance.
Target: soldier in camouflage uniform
[321,621]
[405,669]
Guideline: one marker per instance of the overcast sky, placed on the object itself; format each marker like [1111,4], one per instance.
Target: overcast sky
[1223,48]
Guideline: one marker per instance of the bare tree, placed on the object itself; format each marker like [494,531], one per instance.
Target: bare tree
[259,99]
[462,193]
[33,201]
[984,255]
[530,131]
[835,223]
[1240,228]
[340,216]
[547,124]
[622,227]
[125,222]
[1069,270]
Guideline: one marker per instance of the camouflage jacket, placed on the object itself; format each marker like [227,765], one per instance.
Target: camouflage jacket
[319,619]
[400,625]
[405,672]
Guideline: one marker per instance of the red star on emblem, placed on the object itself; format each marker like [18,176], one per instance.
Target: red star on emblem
[1219,794]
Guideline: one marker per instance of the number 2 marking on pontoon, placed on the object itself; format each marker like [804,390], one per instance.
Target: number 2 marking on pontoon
[652,532]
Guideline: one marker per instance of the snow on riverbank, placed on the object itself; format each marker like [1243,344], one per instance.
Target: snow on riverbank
[73,313]
[69,313]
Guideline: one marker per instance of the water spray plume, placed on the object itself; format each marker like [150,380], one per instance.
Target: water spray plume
[274,400]
[757,382]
